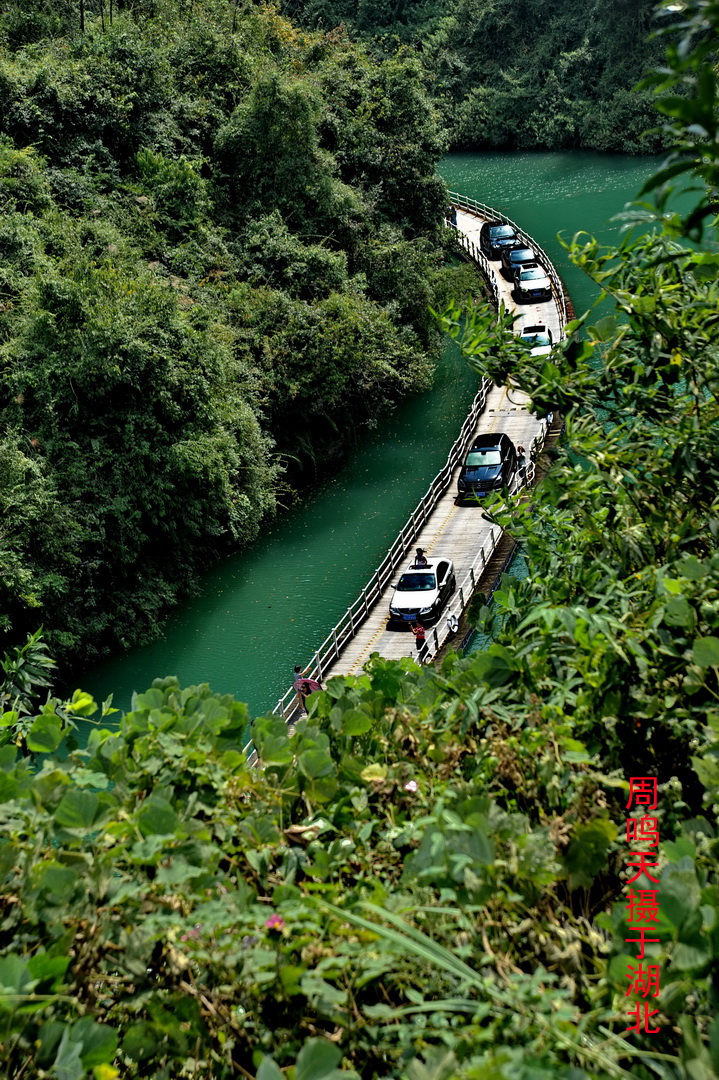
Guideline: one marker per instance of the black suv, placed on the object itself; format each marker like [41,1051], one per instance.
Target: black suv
[495,236]
[489,466]
[512,257]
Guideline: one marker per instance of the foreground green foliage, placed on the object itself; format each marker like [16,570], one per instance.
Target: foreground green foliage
[218,249]
[519,73]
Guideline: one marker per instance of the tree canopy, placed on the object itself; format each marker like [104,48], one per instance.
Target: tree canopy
[220,237]
[519,73]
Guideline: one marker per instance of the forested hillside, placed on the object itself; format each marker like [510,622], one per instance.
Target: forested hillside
[218,243]
[546,74]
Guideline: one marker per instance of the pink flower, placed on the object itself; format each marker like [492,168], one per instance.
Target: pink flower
[192,933]
[411,785]
[275,922]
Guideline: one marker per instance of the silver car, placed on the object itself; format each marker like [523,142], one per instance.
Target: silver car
[422,591]
[532,283]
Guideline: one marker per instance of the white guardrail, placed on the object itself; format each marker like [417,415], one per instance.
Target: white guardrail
[357,612]
[490,214]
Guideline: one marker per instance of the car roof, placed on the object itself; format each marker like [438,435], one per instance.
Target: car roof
[431,564]
[518,251]
[488,440]
[540,328]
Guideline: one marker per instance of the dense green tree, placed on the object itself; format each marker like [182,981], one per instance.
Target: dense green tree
[142,421]
[385,136]
[519,73]
[40,539]
[208,266]
[270,155]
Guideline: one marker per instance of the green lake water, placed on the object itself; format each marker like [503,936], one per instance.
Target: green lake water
[263,610]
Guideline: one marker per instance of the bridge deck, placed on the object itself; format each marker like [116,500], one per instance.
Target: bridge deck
[454,531]
[529,314]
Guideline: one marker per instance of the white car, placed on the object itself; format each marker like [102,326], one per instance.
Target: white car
[531,283]
[422,591]
[539,337]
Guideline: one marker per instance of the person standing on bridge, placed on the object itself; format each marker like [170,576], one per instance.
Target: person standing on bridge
[420,640]
[304,686]
[420,559]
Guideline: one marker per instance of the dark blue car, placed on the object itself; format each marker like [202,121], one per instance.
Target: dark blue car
[489,466]
[494,236]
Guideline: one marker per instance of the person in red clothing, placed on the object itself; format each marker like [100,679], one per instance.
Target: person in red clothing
[420,639]
[303,687]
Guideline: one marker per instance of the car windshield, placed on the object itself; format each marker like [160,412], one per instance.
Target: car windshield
[521,255]
[530,275]
[501,230]
[537,339]
[416,583]
[483,457]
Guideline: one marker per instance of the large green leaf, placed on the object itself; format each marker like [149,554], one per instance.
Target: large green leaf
[679,892]
[139,1041]
[317,1060]
[587,851]
[151,699]
[68,1062]
[82,704]
[15,978]
[45,735]
[707,769]
[679,612]
[55,880]
[157,816]
[355,722]
[77,810]
[268,1070]
[706,651]
[42,966]
[99,1041]
[315,763]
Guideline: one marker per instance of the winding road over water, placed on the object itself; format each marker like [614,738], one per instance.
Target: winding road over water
[265,609]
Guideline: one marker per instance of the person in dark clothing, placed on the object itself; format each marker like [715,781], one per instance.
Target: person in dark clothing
[420,559]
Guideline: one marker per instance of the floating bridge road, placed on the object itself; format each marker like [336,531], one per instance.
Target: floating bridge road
[438,525]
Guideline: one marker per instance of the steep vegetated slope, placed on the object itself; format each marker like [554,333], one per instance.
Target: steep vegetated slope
[431,878]
[519,73]
[218,242]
